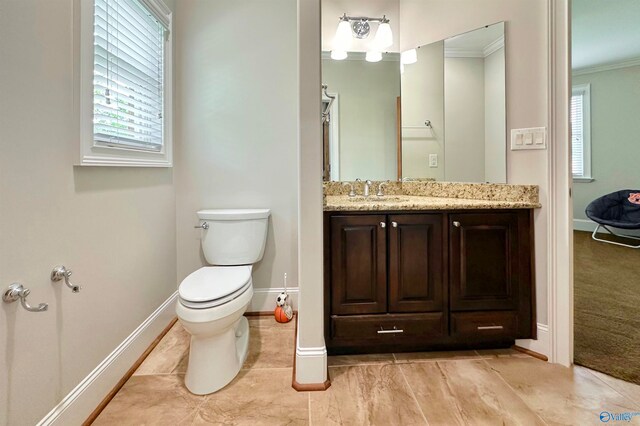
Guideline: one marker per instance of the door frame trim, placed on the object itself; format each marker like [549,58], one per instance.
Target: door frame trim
[560,237]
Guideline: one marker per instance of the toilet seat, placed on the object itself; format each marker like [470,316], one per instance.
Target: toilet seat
[214,286]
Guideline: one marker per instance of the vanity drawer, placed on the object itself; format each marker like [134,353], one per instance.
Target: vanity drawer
[485,325]
[389,327]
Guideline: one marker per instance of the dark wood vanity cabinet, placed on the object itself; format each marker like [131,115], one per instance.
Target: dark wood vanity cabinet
[427,280]
[491,275]
[416,263]
[359,259]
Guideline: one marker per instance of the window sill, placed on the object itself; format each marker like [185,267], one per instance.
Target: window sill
[583,179]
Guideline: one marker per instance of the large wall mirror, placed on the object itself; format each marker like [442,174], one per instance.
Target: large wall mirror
[437,112]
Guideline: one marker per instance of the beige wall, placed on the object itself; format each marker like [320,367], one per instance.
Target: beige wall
[422,99]
[367,97]
[464,130]
[114,227]
[615,106]
[526,64]
[236,142]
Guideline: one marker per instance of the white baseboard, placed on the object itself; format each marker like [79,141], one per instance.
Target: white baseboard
[584,225]
[264,299]
[311,365]
[76,407]
[540,345]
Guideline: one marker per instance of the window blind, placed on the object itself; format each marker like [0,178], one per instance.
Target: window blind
[128,73]
[577,134]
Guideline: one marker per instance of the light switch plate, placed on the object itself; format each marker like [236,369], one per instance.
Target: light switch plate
[530,138]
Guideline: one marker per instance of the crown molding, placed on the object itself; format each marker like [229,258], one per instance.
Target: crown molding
[456,52]
[606,67]
[494,47]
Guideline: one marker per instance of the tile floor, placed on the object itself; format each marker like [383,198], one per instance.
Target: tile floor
[489,387]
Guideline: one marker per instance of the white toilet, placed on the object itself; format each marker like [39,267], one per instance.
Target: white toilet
[213,299]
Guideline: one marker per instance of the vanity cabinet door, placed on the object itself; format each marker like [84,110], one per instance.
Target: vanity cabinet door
[416,268]
[485,270]
[358,264]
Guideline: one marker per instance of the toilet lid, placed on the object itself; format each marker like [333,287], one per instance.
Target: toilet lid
[214,282]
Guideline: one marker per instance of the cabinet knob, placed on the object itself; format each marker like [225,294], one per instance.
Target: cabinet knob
[383,224]
[456,224]
[394,224]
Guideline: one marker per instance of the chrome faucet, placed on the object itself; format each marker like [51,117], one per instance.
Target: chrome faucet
[352,193]
[367,185]
[380,193]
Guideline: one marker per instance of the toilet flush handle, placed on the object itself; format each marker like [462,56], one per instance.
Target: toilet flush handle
[203,225]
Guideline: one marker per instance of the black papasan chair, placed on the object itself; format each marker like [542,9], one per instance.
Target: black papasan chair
[620,209]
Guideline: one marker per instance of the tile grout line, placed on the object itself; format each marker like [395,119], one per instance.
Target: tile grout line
[415,399]
[497,373]
[182,373]
[426,361]
[309,407]
[628,398]
[362,364]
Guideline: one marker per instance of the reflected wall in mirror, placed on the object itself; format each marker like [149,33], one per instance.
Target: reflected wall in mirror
[475,106]
[360,128]
[437,112]
[458,87]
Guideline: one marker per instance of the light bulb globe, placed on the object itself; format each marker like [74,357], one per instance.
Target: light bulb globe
[343,37]
[373,56]
[384,36]
[338,55]
[409,57]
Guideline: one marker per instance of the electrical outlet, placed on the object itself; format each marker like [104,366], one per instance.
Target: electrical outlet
[433,160]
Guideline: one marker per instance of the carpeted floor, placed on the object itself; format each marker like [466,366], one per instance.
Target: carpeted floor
[607,307]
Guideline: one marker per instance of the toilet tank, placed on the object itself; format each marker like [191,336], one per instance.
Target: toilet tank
[234,236]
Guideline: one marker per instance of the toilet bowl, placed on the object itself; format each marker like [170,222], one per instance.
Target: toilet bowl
[213,299]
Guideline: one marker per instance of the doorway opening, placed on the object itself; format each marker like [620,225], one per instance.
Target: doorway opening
[605,106]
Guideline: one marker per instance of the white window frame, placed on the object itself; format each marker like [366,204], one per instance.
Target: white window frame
[94,155]
[585,91]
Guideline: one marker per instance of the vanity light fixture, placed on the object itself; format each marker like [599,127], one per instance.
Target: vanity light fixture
[359,27]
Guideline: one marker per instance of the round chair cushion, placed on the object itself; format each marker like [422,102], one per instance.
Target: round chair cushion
[620,209]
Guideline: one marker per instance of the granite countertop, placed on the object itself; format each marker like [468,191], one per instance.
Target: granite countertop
[399,202]
[430,196]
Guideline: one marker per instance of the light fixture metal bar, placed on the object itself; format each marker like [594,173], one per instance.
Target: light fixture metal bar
[363,18]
